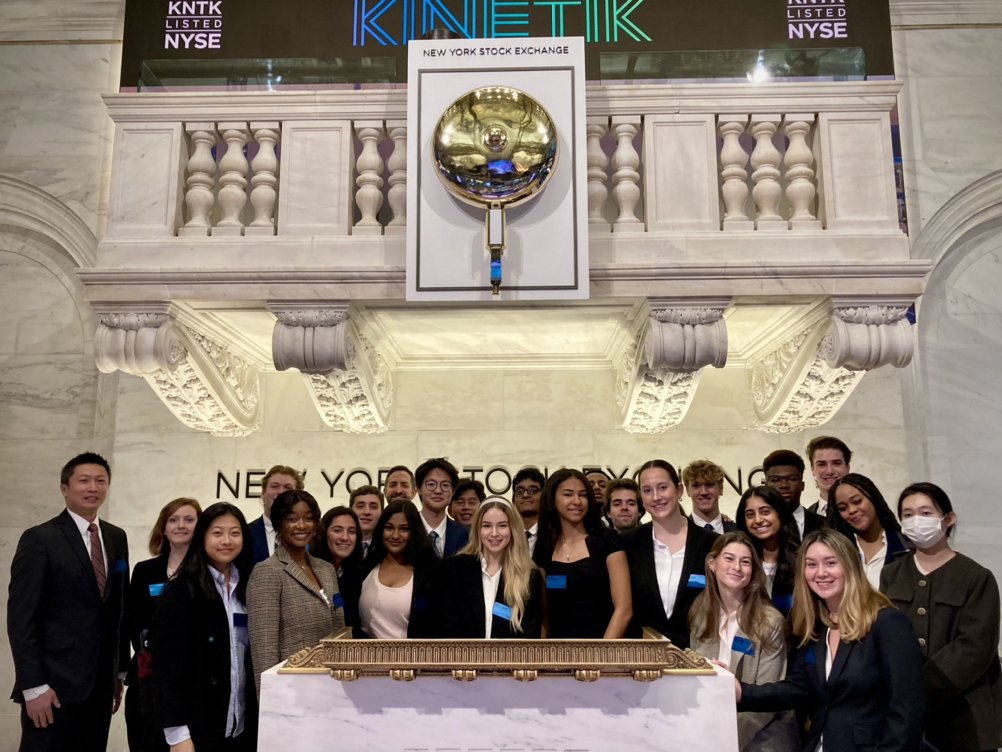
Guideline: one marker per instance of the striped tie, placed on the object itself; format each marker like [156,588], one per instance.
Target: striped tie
[434,543]
[97,558]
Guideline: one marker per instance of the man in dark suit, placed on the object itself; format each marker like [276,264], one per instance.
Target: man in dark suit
[704,482]
[64,617]
[279,479]
[436,481]
[784,471]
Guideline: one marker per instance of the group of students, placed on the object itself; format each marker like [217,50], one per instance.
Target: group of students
[825,656]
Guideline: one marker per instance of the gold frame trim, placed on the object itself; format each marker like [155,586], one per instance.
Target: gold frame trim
[347,659]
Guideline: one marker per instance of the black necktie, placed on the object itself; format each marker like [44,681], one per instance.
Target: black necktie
[708,526]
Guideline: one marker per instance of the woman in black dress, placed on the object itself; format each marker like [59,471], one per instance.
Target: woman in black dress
[587,575]
[169,542]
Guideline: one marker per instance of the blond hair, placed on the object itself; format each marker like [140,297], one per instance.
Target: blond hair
[515,562]
[757,617]
[860,602]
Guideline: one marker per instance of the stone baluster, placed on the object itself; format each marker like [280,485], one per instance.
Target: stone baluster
[396,196]
[799,164]
[765,157]
[199,196]
[369,195]
[598,178]
[625,173]
[233,180]
[265,179]
[734,174]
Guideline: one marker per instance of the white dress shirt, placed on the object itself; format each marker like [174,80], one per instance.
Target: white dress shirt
[668,568]
[270,534]
[717,522]
[798,515]
[532,537]
[490,582]
[874,565]
[440,543]
[727,632]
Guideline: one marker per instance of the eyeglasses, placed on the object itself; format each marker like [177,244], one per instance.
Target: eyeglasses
[430,485]
[530,491]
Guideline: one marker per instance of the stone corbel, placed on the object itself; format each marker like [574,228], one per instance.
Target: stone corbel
[349,381]
[204,385]
[793,388]
[658,371]
[862,336]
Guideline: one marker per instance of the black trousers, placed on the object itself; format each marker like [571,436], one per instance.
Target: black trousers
[80,726]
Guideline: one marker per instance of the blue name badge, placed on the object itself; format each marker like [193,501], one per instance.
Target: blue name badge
[556,582]
[743,645]
[783,602]
[121,566]
[809,658]
[697,581]
[337,601]
[157,588]
[502,610]
[240,620]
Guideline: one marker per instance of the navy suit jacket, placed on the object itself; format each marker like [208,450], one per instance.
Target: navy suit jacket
[260,539]
[648,609]
[456,536]
[62,632]
[872,699]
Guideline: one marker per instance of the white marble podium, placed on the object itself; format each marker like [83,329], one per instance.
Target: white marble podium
[497,714]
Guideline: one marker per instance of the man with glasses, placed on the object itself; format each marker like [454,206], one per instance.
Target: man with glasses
[436,479]
[784,472]
[527,494]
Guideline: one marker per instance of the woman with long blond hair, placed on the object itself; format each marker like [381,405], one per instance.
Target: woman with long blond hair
[491,589]
[858,670]
[733,622]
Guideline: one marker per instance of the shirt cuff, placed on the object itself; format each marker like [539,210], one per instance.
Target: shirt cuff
[176,734]
[35,692]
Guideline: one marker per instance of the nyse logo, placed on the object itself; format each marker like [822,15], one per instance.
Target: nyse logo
[816,19]
[194,25]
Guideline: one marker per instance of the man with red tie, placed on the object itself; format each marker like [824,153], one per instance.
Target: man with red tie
[64,617]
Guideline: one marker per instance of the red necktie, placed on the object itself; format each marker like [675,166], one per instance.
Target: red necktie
[97,558]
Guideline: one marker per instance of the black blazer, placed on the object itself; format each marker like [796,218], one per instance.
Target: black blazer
[648,610]
[147,578]
[873,698]
[191,666]
[813,522]
[456,537]
[461,599]
[62,633]
[260,539]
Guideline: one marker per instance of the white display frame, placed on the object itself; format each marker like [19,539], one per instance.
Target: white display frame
[547,253]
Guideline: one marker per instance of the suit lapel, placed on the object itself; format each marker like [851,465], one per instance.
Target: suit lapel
[72,532]
[647,571]
[838,663]
[296,572]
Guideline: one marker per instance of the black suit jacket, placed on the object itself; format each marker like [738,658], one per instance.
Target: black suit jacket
[461,599]
[648,610]
[62,632]
[813,522]
[260,539]
[191,666]
[148,577]
[872,699]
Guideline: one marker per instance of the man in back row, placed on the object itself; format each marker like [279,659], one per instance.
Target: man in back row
[829,458]
[784,472]
[436,480]
[64,617]
[279,479]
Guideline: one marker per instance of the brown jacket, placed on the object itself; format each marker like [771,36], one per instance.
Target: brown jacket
[285,613]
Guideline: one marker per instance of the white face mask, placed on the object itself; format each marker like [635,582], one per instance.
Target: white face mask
[924,532]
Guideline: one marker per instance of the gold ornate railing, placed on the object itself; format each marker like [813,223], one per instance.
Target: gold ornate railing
[347,659]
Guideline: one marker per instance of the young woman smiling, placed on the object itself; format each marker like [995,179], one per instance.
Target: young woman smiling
[398,577]
[293,600]
[667,556]
[205,699]
[733,623]
[491,589]
[767,519]
[858,671]
[587,576]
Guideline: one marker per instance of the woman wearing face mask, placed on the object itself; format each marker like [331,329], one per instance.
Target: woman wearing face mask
[857,509]
[491,589]
[953,604]
[733,622]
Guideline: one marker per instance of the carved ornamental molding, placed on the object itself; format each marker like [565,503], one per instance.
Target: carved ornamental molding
[204,385]
[349,380]
[861,338]
[658,370]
